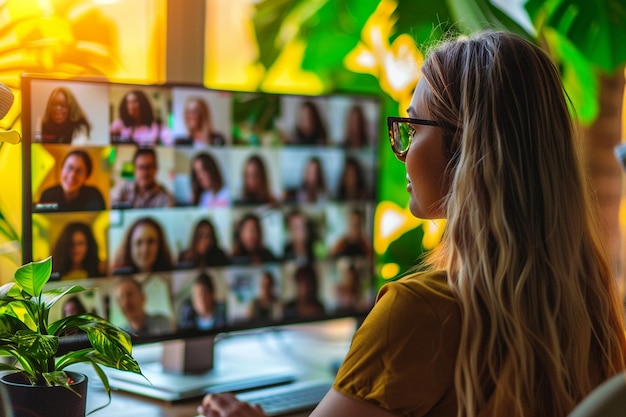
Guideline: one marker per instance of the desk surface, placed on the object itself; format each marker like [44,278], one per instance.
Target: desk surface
[312,350]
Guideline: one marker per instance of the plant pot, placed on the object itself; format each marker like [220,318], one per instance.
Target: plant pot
[43,401]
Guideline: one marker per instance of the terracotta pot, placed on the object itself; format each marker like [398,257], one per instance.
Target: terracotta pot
[42,401]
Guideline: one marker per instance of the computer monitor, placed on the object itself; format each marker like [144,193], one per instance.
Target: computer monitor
[189,212]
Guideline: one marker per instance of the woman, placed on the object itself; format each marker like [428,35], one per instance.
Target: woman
[72,194]
[313,187]
[137,122]
[75,254]
[256,183]
[352,184]
[306,303]
[310,128]
[143,249]
[204,248]
[302,237]
[354,242]
[207,183]
[356,136]
[266,306]
[248,246]
[199,125]
[64,120]
[518,314]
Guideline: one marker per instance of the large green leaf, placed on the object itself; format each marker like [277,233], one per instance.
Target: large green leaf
[332,33]
[424,20]
[36,344]
[33,276]
[49,298]
[9,325]
[596,27]
[476,15]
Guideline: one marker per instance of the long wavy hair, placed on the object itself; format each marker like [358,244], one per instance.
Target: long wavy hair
[541,321]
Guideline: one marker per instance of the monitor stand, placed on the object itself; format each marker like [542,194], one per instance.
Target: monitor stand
[187,370]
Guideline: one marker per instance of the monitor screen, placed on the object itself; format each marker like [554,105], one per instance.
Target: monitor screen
[189,211]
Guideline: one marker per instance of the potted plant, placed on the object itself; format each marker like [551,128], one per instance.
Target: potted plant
[27,335]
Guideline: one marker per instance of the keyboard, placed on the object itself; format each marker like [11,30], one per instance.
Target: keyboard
[288,398]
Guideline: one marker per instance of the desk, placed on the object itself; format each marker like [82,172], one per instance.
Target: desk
[313,350]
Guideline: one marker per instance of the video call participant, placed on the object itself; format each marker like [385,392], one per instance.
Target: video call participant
[302,238]
[64,120]
[349,292]
[306,303]
[131,299]
[202,311]
[207,184]
[137,122]
[356,136]
[72,194]
[310,129]
[204,249]
[144,191]
[248,245]
[354,242]
[256,187]
[352,182]
[75,253]
[313,188]
[143,249]
[199,125]
[266,306]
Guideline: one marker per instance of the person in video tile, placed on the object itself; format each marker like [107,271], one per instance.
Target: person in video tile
[306,304]
[75,253]
[256,183]
[204,249]
[356,136]
[64,120]
[144,191]
[313,188]
[143,249]
[202,311]
[266,306]
[131,299]
[310,129]
[199,125]
[72,194]
[138,123]
[352,182]
[207,183]
[354,242]
[349,292]
[248,246]
[301,237]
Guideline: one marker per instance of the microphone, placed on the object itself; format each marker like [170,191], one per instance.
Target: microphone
[6,101]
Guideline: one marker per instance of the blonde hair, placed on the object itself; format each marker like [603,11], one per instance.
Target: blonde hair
[541,321]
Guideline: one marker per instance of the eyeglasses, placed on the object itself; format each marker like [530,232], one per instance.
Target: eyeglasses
[401,132]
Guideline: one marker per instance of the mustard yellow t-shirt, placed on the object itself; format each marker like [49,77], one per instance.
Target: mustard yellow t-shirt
[402,357]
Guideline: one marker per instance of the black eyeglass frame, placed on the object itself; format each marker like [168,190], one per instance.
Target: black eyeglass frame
[391,120]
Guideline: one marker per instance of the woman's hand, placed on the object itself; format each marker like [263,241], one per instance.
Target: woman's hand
[226,405]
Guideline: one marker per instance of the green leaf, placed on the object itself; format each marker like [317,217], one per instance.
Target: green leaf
[425,21]
[578,76]
[50,297]
[338,23]
[597,28]
[33,276]
[36,344]
[477,15]
[10,325]
[58,379]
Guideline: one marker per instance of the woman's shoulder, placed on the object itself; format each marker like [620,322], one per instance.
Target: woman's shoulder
[429,286]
